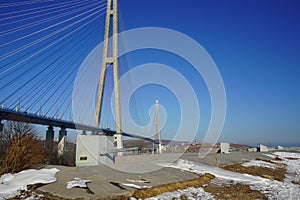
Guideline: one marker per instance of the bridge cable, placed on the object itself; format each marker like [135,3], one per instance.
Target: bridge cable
[54,25]
[57,77]
[10,95]
[22,3]
[87,35]
[21,75]
[64,81]
[50,74]
[23,85]
[32,24]
[62,5]
[11,53]
[36,8]
[3,72]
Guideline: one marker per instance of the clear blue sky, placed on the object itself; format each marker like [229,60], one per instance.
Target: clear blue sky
[255,45]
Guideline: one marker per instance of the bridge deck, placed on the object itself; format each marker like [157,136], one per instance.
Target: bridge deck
[11,115]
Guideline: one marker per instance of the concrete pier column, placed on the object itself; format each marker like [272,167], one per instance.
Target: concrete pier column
[62,133]
[61,147]
[49,143]
[1,129]
[50,134]
[84,132]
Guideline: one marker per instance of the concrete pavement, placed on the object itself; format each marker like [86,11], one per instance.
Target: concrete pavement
[106,182]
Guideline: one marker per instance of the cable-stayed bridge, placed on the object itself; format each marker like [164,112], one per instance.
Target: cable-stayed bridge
[43,43]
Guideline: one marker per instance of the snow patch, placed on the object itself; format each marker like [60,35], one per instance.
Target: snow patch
[136,186]
[10,184]
[270,155]
[287,155]
[260,163]
[271,188]
[293,166]
[190,193]
[137,181]
[77,182]
[201,169]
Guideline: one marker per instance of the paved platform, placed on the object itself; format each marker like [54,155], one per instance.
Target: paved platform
[107,182]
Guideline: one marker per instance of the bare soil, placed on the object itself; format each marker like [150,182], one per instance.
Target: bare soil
[289,158]
[296,182]
[234,192]
[269,173]
[157,190]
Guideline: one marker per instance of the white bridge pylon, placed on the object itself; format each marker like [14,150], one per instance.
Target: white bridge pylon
[107,61]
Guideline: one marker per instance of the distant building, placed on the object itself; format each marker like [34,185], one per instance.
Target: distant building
[225,147]
[254,149]
[263,148]
[280,147]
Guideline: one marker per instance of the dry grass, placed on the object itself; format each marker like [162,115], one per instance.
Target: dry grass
[296,182]
[289,158]
[171,187]
[276,159]
[234,192]
[273,174]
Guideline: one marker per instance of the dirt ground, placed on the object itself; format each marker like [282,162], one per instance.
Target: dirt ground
[233,192]
[272,174]
[296,182]
[154,191]
[228,192]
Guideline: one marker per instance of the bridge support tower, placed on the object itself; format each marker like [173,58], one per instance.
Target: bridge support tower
[157,131]
[107,60]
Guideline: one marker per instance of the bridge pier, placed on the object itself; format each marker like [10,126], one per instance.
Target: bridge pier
[1,129]
[49,143]
[62,144]
[49,134]
[62,133]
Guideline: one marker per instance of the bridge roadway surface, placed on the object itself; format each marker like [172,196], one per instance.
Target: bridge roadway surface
[105,180]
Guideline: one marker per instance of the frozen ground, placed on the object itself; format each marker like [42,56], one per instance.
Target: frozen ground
[271,188]
[260,163]
[11,184]
[191,193]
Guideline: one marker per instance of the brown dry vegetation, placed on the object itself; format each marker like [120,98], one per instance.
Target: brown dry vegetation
[289,158]
[157,190]
[19,148]
[296,182]
[234,192]
[276,159]
[273,174]
[22,154]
